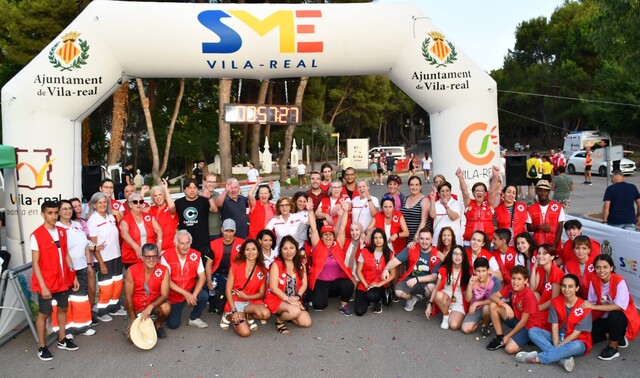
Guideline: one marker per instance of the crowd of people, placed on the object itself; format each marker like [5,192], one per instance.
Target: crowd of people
[248,260]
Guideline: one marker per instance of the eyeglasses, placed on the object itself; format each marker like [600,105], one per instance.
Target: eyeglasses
[458,254]
[107,187]
[150,257]
[284,204]
[137,202]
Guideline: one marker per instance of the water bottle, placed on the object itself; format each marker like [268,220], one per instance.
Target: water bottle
[561,336]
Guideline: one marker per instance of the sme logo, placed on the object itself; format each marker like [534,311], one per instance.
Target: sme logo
[629,264]
[474,143]
[34,168]
[292,26]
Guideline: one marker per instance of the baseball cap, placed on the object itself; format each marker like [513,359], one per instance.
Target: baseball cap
[229,224]
[327,228]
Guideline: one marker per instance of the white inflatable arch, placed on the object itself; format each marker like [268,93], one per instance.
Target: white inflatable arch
[43,106]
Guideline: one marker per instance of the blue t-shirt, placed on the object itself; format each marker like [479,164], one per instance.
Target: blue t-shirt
[622,196]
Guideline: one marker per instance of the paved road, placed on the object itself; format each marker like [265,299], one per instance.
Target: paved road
[392,344]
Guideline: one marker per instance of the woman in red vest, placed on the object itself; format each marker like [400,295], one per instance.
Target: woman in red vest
[164,210]
[526,246]
[545,279]
[510,213]
[246,285]
[287,285]
[393,223]
[582,264]
[370,265]
[136,230]
[614,312]
[260,209]
[477,209]
[449,298]
[570,334]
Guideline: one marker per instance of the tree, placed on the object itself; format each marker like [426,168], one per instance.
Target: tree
[158,170]
[288,139]
[224,131]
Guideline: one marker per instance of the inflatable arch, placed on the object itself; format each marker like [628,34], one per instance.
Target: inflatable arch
[43,106]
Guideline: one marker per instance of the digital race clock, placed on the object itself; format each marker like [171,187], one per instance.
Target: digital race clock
[263,114]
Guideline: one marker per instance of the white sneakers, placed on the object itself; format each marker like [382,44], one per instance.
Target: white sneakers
[198,323]
[410,304]
[445,322]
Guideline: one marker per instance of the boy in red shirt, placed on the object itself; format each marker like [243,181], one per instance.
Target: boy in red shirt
[519,314]
[52,277]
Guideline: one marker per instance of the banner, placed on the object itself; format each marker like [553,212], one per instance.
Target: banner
[358,153]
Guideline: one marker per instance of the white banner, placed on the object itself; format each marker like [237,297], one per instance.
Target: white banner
[622,245]
[358,153]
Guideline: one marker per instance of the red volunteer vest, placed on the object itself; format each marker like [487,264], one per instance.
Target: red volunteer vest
[400,243]
[414,256]
[272,300]
[185,277]
[142,298]
[483,253]
[479,218]
[217,249]
[320,254]
[515,223]
[509,262]
[553,213]
[567,250]
[371,270]
[129,255]
[168,223]
[572,319]
[257,219]
[443,280]
[326,208]
[573,267]
[633,319]
[257,279]
[57,278]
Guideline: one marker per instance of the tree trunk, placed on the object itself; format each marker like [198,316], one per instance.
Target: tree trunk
[224,136]
[156,170]
[86,139]
[288,136]
[118,118]
[255,128]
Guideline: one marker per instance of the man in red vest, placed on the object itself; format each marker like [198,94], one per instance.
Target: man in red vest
[187,281]
[146,289]
[546,217]
[52,277]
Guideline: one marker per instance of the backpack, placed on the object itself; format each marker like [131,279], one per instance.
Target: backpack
[533,172]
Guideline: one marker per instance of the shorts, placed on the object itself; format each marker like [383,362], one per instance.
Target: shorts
[547,177]
[300,177]
[522,337]
[587,168]
[373,167]
[241,306]
[565,203]
[457,306]
[83,281]
[418,288]
[474,317]
[380,171]
[426,169]
[61,298]
[532,181]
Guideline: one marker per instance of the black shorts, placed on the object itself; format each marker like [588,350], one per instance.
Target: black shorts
[587,168]
[62,301]
[380,170]
[532,181]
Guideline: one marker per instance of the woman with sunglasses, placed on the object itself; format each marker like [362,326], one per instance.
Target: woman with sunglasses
[246,286]
[164,210]
[285,222]
[261,210]
[449,298]
[136,230]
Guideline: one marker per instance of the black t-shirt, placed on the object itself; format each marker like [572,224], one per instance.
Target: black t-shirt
[197,173]
[127,173]
[194,217]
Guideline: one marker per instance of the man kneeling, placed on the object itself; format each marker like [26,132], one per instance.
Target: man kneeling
[146,289]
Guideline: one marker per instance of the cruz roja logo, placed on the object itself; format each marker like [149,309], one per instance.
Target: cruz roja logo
[438,52]
[72,54]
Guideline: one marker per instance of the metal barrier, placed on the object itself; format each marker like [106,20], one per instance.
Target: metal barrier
[10,280]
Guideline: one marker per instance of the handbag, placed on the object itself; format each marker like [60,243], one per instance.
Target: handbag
[387,297]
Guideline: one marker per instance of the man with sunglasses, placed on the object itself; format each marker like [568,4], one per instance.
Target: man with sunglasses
[146,289]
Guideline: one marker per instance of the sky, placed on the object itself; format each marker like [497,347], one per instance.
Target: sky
[483,29]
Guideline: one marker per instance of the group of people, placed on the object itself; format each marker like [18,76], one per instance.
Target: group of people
[250,259]
[552,168]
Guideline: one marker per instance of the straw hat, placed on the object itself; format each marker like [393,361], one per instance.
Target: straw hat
[143,333]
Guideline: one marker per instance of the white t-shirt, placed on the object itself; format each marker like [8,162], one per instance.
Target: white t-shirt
[442,220]
[292,227]
[77,244]
[252,175]
[493,263]
[543,211]
[426,163]
[54,236]
[106,230]
[361,210]
[301,169]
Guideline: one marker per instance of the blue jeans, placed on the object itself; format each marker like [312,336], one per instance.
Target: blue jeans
[551,353]
[625,226]
[175,318]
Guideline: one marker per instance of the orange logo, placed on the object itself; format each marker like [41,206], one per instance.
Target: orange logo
[468,142]
[29,175]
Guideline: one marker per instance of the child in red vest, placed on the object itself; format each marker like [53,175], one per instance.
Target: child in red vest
[52,277]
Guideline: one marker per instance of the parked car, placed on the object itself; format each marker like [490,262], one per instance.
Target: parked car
[575,164]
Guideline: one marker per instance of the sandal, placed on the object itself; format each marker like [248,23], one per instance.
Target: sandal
[282,328]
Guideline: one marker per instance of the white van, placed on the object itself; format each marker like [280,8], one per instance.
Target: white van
[578,140]
[396,151]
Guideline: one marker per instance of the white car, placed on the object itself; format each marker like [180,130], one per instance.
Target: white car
[575,164]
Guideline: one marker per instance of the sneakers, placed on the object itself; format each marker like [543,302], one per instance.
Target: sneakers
[67,344]
[346,310]
[445,322]
[608,354]
[224,322]
[568,364]
[495,344]
[162,333]
[44,354]
[120,312]
[411,303]
[198,323]
[527,356]
[377,307]
[89,332]
[253,326]
[105,318]
[485,331]
[623,343]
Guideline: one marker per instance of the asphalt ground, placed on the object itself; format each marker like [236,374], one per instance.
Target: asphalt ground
[395,343]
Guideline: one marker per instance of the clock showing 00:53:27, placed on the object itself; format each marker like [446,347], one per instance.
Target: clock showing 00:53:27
[263,114]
